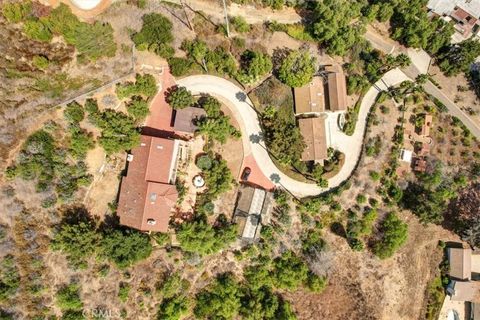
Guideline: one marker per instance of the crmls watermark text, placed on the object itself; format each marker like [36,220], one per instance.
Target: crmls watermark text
[101,314]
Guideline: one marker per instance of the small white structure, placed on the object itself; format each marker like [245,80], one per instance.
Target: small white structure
[198,181]
[406,155]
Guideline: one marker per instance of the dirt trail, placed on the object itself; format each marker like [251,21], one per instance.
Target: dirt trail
[250,13]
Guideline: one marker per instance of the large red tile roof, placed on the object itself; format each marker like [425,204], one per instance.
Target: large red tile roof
[146,192]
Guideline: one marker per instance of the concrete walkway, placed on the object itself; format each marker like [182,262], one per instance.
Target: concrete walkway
[242,109]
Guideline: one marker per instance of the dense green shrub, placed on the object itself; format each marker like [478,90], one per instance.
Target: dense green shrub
[312,242]
[74,112]
[459,57]
[173,308]
[138,108]
[393,235]
[16,11]
[123,291]
[155,35]
[204,162]
[119,131]
[297,69]
[221,61]
[337,25]
[40,62]
[9,277]
[79,240]
[239,24]
[68,297]
[36,30]
[172,285]
[220,300]
[254,65]
[92,41]
[218,178]
[316,283]
[412,26]
[145,85]
[289,271]
[282,137]
[125,247]
[179,66]
[215,125]
[196,50]
[200,237]
[179,97]
[430,195]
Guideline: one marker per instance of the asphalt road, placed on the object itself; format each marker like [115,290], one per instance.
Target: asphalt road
[453,109]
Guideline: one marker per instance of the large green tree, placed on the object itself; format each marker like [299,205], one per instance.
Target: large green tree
[394,233]
[155,35]
[335,26]
[179,97]
[220,300]
[297,69]
[459,57]
[125,247]
[202,238]
[254,65]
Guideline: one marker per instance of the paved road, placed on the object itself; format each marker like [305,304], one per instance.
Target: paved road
[242,109]
[420,64]
[453,109]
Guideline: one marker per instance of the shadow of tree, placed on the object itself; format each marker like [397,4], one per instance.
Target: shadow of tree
[275,178]
[338,229]
[256,137]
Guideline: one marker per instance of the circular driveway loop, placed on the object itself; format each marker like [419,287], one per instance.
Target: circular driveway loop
[242,109]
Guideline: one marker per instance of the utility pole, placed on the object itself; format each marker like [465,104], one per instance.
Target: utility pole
[226,18]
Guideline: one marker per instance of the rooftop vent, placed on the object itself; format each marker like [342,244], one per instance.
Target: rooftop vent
[151,222]
[129,157]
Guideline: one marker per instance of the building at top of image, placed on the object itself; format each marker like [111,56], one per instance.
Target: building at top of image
[464,14]
[148,193]
[325,94]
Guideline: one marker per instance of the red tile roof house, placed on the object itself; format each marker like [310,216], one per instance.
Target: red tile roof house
[148,193]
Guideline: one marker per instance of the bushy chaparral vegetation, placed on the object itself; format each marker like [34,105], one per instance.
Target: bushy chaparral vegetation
[179,97]
[297,69]
[44,160]
[81,238]
[155,35]
[92,40]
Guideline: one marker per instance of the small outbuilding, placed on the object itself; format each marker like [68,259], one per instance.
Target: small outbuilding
[185,119]
[460,260]
[253,209]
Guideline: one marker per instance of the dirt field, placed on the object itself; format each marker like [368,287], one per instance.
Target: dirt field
[458,90]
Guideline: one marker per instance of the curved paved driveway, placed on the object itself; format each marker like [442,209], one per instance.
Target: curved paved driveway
[242,109]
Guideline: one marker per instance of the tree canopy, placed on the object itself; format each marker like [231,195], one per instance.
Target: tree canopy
[200,237]
[179,97]
[334,27]
[393,235]
[254,65]
[459,57]
[297,69]
[220,300]
[155,35]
